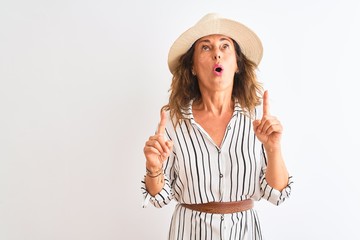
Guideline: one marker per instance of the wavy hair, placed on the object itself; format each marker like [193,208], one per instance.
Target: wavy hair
[185,87]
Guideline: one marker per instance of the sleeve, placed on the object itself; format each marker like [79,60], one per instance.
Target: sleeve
[165,196]
[159,200]
[272,195]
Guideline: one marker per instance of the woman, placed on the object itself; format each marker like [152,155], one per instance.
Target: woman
[215,150]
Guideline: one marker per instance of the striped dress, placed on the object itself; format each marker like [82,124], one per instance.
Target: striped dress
[198,171]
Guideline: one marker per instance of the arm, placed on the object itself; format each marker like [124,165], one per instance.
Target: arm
[154,180]
[276,173]
[156,151]
[268,130]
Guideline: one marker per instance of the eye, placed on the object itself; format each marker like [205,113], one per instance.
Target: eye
[225,46]
[205,48]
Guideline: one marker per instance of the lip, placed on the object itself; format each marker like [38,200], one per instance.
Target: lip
[218,69]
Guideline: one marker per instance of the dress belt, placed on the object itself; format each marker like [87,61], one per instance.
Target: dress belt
[221,207]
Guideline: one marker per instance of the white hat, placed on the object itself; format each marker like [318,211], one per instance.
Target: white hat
[212,23]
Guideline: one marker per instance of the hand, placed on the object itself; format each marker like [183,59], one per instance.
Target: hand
[268,129]
[156,149]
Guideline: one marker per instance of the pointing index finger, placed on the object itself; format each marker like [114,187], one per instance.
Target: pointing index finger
[266,108]
[162,123]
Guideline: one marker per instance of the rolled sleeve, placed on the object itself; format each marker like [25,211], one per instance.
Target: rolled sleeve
[273,195]
[159,200]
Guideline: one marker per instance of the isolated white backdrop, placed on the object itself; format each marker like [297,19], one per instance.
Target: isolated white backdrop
[81,85]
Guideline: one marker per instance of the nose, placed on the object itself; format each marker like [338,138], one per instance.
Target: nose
[217,55]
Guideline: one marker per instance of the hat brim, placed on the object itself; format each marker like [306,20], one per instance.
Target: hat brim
[248,41]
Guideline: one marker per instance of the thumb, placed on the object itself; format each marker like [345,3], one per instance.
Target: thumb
[169,144]
[256,123]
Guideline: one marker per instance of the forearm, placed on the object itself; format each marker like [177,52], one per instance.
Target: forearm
[154,181]
[276,173]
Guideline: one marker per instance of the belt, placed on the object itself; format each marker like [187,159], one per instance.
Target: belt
[221,207]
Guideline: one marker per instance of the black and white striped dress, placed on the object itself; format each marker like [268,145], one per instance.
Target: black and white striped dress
[198,171]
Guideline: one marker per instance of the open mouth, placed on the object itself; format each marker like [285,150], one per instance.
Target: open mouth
[218,69]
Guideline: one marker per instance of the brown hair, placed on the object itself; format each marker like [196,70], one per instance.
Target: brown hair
[185,86]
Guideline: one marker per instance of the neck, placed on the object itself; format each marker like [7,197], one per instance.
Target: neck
[217,104]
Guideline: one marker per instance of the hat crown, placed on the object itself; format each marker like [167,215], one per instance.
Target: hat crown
[209,17]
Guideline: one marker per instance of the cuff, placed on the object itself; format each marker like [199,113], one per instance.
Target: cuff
[159,200]
[275,196]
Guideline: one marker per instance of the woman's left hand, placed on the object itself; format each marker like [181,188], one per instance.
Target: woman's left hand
[268,129]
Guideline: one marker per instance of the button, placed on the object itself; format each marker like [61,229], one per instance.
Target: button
[229,127]
[221,175]
[219,150]
[222,218]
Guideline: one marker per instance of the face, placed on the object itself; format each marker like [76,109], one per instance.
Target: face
[214,62]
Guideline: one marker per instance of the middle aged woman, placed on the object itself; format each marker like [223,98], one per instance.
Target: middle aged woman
[209,152]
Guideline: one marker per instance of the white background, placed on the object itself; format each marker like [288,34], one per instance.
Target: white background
[81,85]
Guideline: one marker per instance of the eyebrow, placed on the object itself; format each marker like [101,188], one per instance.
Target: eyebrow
[208,41]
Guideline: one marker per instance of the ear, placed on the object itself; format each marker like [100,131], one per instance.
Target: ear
[193,71]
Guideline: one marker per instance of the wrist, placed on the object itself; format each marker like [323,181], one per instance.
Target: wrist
[153,168]
[273,148]
[154,171]
[156,174]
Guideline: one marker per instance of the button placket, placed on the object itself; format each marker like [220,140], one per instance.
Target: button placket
[221,182]
[221,165]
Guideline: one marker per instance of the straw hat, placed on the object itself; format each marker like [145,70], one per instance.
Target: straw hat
[213,23]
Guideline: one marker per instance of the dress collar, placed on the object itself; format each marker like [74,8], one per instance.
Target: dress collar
[188,114]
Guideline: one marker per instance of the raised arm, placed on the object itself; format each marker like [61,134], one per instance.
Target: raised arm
[156,151]
[269,130]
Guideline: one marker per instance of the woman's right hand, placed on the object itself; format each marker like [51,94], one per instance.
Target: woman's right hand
[157,149]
